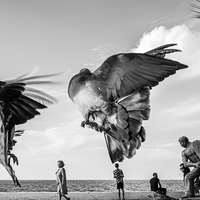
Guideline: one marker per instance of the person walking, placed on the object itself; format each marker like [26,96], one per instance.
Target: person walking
[118,175]
[61,181]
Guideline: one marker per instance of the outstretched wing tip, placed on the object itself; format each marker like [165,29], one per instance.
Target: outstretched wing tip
[19,104]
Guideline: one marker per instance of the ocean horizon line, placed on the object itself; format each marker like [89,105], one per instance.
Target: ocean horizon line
[88,179]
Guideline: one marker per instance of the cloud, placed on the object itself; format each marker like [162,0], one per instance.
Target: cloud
[188,41]
[184,108]
[179,15]
[38,143]
[159,145]
[89,65]
[156,153]
[53,141]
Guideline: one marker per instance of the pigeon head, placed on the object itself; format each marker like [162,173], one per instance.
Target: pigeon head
[77,81]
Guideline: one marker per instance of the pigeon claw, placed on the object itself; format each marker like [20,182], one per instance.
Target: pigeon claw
[92,125]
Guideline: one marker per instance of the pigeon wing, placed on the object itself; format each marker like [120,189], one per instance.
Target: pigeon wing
[128,72]
[162,50]
[18,103]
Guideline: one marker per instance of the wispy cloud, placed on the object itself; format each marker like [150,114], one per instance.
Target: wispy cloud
[184,108]
[181,14]
[100,53]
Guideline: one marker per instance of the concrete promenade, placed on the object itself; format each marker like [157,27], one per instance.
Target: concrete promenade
[84,195]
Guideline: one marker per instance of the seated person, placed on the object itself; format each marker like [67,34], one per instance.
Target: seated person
[155,185]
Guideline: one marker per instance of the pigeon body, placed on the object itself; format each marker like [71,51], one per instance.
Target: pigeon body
[114,99]
[18,104]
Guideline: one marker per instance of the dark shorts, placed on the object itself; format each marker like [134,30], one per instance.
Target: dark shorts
[162,190]
[120,185]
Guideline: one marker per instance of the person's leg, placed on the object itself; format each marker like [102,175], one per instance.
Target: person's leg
[189,180]
[59,195]
[163,191]
[119,193]
[67,198]
[159,191]
[123,193]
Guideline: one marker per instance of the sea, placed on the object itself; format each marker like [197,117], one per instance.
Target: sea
[86,185]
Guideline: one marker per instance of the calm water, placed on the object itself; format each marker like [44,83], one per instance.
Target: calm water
[85,185]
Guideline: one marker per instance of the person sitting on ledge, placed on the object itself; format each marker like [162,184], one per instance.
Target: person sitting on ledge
[155,185]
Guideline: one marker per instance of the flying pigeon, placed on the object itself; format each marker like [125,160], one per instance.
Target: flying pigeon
[18,103]
[114,99]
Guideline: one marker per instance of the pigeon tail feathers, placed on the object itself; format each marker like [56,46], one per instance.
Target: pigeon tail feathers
[131,111]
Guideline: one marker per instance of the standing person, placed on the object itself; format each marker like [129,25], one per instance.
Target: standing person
[156,186]
[118,174]
[61,180]
[190,158]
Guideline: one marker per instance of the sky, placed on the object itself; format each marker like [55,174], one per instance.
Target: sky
[64,36]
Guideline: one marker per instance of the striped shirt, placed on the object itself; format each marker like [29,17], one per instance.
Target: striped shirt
[118,174]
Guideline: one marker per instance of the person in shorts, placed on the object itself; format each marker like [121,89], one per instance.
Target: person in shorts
[118,175]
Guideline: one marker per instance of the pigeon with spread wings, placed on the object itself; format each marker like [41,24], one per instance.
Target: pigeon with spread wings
[18,103]
[114,99]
